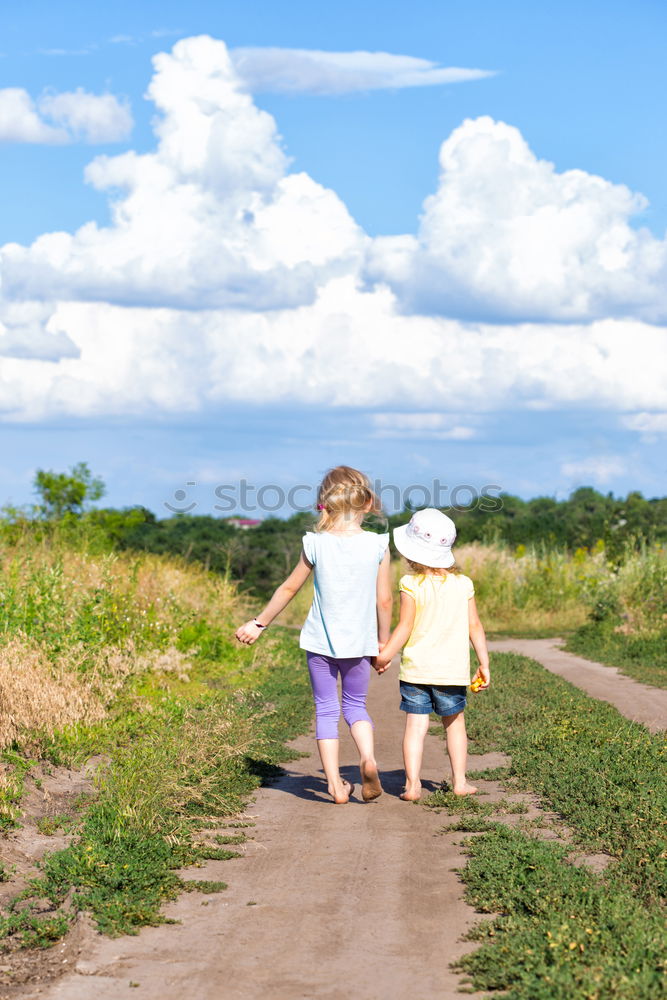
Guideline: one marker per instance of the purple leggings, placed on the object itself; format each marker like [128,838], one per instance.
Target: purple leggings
[355,673]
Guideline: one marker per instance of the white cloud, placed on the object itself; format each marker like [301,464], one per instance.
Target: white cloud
[310,71]
[28,330]
[92,118]
[224,278]
[442,426]
[507,238]
[56,119]
[348,348]
[85,51]
[648,424]
[600,469]
[20,121]
[209,220]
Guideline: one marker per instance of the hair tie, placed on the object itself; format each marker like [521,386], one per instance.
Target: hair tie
[320,506]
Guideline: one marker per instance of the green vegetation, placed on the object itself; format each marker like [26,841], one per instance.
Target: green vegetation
[132,657]
[578,522]
[628,621]
[116,640]
[563,931]
[541,567]
[261,557]
[63,493]
[639,656]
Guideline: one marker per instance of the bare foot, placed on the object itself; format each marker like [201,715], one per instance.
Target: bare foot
[411,793]
[464,789]
[341,795]
[370,781]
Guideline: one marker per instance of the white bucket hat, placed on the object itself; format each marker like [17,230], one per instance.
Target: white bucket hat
[427,538]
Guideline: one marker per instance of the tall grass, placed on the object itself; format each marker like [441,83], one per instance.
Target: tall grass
[76,627]
[132,657]
[539,590]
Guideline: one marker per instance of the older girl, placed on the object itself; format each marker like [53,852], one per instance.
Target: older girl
[348,620]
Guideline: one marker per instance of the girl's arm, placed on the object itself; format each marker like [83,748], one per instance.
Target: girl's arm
[478,639]
[400,635]
[282,595]
[384,599]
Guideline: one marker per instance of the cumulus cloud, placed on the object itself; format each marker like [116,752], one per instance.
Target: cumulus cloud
[20,120]
[92,118]
[55,119]
[222,277]
[28,330]
[348,348]
[309,71]
[210,219]
[508,238]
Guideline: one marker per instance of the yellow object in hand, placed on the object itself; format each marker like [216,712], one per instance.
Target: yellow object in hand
[477,684]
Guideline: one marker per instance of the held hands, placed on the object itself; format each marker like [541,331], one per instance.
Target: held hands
[248,633]
[481,680]
[381,662]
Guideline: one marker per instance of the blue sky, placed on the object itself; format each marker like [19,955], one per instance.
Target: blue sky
[581,86]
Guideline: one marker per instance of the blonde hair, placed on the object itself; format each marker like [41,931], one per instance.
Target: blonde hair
[431,570]
[342,492]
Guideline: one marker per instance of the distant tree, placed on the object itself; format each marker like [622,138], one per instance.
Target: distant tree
[64,493]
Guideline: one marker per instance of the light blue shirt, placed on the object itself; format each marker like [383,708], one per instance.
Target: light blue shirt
[342,620]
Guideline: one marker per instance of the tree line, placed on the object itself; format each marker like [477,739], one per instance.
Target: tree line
[261,556]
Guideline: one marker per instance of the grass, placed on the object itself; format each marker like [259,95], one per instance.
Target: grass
[195,763]
[643,657]
[132,658]
[561,931]
[539,591]
[628,620]
[14,768]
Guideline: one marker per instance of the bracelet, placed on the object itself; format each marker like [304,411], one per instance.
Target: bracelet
[258,624]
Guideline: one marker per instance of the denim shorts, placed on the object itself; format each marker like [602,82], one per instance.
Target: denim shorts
[422,699]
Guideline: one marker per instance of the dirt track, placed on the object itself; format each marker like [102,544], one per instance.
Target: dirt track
[328,901]
[636,701]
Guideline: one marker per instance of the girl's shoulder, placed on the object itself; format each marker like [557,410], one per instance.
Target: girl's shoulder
[410,583]
[380,540]
[465,584]
[309,544]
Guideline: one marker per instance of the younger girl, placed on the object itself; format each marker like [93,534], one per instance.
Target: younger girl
[437,622]
[351,605]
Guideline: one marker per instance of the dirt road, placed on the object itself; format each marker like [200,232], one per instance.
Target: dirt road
[636,701]
[329,901]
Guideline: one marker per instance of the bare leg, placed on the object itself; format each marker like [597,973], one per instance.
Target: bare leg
[362,734]
[416,728]
[457,748]
[339,789]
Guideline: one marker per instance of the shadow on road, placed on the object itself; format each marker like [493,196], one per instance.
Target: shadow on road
[314,787]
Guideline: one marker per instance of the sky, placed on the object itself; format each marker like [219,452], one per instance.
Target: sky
[242,243]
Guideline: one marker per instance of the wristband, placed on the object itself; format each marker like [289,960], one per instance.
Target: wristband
[258,624]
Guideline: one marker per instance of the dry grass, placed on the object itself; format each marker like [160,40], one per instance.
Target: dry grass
[76,626]
[35,694]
